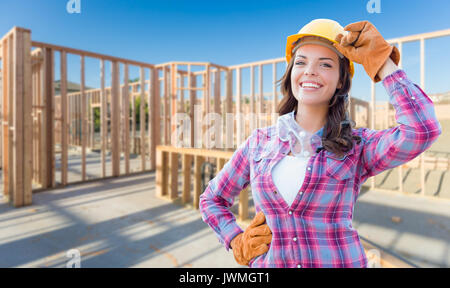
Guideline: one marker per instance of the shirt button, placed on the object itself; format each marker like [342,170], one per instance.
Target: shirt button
[299,266]
[309,168]
[290,212]
[295,239]
[301,193]
[413,98]
[400,78]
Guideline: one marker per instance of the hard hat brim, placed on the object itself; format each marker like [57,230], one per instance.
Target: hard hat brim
[293,38]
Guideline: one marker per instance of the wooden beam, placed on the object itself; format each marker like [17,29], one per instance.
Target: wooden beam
[161,172]
[275,95]
[103,114]
[187,163]
[22,121]
[252,89]
[6,103]
[240,124]
[173,103]
[126,119]
[199,160]
[154,117]
[215,153]
[166,125]
[115,118]
[173,175]
[83,121]
[207,93]
[217,98]
[49,120]
[90,54]
[64,123]
[18,117]
[142,120]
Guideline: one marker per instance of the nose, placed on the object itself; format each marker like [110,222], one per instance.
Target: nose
[310,70]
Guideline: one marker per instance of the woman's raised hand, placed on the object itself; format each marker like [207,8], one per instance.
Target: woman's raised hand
[363,44]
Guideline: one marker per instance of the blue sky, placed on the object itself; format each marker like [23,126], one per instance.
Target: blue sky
[225,32]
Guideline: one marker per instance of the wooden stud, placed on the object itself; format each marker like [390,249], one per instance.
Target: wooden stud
[21,162]
[18,117]
[217,98]
[207,86]
[142,120]
[64,124]
[173,176]
[161,172]
[133,120]
[275,94]
[192,83]
[49,118]
[173,103]
[115,120]
[220,163]
[261,94]
[187,162]
[103,114]
[240,124]
[199,160]
[154,117]
[6,103]
[83,122]
[166,125]
[126,119]
[252,89]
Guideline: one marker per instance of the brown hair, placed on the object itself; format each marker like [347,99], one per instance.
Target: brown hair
[337,136]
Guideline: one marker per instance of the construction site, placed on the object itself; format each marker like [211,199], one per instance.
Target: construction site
[95,169]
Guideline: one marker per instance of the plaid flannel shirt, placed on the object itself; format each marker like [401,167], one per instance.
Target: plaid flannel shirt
[316,230]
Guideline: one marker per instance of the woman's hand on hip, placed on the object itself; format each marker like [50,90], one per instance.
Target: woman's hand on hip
[253,241]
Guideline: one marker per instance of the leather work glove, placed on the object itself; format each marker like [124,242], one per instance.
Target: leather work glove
[253,241]
[365,45]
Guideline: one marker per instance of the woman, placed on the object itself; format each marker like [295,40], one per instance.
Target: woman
[306,171]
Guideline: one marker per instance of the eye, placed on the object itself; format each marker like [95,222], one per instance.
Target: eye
[327,65]
[300,63]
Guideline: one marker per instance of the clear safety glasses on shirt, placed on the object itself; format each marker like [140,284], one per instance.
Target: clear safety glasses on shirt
[300,140]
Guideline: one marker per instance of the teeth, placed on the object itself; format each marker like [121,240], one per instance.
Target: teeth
[310,85]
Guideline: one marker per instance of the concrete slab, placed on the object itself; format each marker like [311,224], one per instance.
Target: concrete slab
[120,223]
[113,223]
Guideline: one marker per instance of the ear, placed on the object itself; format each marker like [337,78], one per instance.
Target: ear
[339,86]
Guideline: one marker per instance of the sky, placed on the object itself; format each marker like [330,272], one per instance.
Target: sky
[226,32]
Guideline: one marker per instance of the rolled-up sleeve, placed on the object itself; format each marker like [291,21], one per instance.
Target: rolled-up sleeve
[418,128]
[219,195]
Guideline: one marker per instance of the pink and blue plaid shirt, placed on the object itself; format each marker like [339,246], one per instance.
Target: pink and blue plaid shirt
[316,230]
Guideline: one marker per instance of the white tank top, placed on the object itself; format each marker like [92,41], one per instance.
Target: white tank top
[288,176]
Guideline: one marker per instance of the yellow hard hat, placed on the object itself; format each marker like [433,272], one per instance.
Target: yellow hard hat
[324,28]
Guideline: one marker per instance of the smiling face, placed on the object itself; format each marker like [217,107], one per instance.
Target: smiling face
[315,74]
